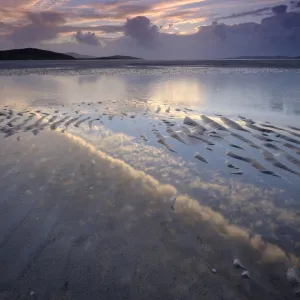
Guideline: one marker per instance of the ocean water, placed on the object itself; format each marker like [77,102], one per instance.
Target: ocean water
[148,182]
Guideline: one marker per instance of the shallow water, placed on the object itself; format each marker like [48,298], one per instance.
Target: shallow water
[137,182]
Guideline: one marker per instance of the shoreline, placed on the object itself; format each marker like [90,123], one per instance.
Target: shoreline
[86,63]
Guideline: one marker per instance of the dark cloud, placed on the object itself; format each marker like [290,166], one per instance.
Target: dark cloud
[286,21]
[279,9]
[42,26]
[220,31]
[48,25]
[275,35]
[46,18]
[295,4]
[142,30]
[5,27]
[255,12]
[87,38]
[32,34]
[278,34]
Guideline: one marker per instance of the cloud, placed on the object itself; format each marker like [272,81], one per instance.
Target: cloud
[49,4]
[46,18]
[33,4]
[142,30]
[110,11]
[126,10]
[121,155]
[100,28]
[174,4]
[153,38]
[118,10]
[285,23]
[295,4]
[19,3]
[255,12]
[278,34]
[5,27]
[87,38]
[279,9]
[42,26]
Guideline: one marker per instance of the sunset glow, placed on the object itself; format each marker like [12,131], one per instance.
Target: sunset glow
[151,28]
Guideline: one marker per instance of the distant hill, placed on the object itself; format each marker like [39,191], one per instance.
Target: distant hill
[38,54]
[80,56]
[265,57]
[32,54]
[116,57]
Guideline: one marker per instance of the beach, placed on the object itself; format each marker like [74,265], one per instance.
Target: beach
[148,181]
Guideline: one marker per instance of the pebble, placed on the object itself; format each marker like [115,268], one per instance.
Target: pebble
[31,293]
[214,270]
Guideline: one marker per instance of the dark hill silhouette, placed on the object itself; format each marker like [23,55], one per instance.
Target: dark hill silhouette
[265,57]
[32,54]
[38,54]
[117,57]
[80,56]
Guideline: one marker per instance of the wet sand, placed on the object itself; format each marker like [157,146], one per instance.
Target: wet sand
[115,199]
[70,229]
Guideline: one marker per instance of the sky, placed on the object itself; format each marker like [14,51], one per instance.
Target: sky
[153,29]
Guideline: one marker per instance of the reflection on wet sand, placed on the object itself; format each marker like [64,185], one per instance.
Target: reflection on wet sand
[112,233]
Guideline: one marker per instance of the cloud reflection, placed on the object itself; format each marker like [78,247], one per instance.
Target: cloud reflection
[98,209]
[190,209]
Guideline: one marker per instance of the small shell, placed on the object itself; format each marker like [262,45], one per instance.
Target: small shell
[237,263]
[246,274]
